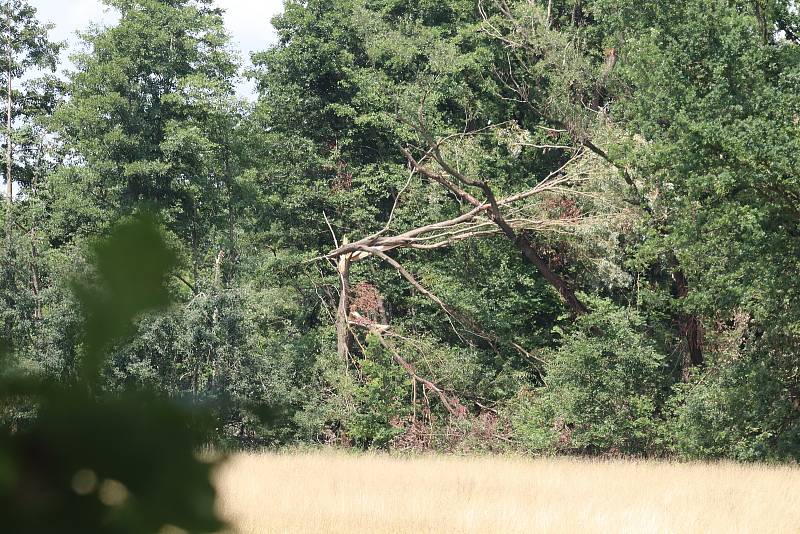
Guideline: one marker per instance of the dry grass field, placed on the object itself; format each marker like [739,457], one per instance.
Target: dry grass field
[329,492]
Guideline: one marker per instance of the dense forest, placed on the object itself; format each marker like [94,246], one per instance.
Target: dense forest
[562,226]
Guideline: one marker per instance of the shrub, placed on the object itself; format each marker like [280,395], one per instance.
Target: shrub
[604,385]
[379,398]
[746,409]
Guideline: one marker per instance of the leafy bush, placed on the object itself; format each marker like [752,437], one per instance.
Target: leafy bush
[604,385]
[379,398]
[743,410]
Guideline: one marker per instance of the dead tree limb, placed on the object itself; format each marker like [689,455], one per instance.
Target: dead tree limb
[451,404]
[451,312]
[343,337]
[493,206]
[521,39]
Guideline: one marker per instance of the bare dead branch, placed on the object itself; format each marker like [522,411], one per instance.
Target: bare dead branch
[453,407]
[333,234]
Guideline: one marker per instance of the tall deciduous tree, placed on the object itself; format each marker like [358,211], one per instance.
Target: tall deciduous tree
[153,122]
[29,97]
[26,47]
[139,120]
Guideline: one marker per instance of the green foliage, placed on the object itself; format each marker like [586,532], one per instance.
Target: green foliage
[132,272]
[140,112]
[25,40]
[113,464]
[381,399]
[604,386]
[678,224]
[219,349]
[116,463]
[745,410]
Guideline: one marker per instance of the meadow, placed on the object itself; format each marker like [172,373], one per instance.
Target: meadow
[337,493]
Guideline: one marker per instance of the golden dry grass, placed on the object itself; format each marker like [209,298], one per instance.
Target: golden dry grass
[331,493]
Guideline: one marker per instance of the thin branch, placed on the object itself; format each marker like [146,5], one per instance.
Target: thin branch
[453,408]
[330,227]
[396,201]
[188,284]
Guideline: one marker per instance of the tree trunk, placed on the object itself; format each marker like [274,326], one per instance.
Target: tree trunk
[577,13]
[10,67]
[761,18]
[37,313]
[526,247]
[343,336]
[689,329]
[578,308]
[195,253]
[232,251]
[496,215]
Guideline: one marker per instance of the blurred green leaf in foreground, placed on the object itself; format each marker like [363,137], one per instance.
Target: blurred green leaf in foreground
[95,462]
